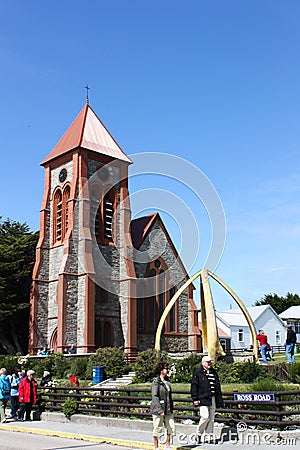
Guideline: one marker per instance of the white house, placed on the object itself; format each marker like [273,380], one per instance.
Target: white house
[292,318]
[234,324]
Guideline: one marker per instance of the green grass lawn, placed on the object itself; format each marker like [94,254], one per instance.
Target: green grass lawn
[281,358]
[186,386]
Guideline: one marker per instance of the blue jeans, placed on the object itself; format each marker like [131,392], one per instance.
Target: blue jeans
[263,349]
[289,351]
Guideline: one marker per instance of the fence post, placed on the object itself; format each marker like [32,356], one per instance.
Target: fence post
[278,409]
[128,407]
[54,399]
[236,415]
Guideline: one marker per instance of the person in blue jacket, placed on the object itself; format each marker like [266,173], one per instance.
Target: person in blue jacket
[15,380]
[4,393]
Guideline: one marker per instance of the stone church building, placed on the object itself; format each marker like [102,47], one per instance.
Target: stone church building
[101,279]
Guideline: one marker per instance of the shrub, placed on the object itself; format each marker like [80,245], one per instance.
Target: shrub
[78,366]
[294,372]
[240,372]
[113,360]
[69,407]
[9,362]
[56,364]
[268,384]
[145,364]
[182,370]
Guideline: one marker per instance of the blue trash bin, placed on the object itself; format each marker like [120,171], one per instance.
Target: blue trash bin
[98,374]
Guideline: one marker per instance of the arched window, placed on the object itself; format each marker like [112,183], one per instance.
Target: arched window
[155,303]
[65,211]
[53,340]
[151,309]
[57,216]
[104,335]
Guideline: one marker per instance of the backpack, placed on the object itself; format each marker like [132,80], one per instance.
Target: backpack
[14,381]
[5,387]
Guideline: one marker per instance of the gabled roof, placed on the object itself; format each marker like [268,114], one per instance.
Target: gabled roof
[235,317]
[87,131]
[221,333]
[293,312]
[140,228]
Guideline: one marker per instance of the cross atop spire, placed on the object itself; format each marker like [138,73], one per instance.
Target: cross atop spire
[87,93]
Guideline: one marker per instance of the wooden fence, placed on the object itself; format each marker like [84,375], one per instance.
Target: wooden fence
[282,413]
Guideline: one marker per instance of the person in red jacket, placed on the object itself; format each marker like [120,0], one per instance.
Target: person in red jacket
[73,380]
[27,395]
[263,343]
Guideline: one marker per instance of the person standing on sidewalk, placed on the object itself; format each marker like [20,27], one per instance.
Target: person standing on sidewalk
[27,395]
[206,393]
[162,405]
[290,345]
[15,380]
[263,345]
[4,393]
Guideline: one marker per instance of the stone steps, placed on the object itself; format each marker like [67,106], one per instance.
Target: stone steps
[125,380]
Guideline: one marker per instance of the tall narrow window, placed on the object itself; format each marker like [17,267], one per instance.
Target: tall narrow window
[65,211]
[241,335]
[161,292]
[141,313]
[108,217]
[98,333]
[157,294]
[107,334]
[172,313]
[140,306]
[152,300]
[57,216]
[104,216]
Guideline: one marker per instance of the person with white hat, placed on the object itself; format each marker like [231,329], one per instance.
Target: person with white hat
[27,395]
[206,393]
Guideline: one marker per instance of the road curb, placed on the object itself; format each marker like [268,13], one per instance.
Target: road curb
[83,437]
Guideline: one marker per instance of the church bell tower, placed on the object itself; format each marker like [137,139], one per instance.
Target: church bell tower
[77,298]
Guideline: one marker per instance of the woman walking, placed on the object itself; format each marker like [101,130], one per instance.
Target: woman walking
[162,405]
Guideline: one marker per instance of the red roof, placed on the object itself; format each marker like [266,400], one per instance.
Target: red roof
[221,333]
[87,131]
[140,227]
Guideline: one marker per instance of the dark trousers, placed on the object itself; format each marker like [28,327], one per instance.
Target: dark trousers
[25,409]
[14,405]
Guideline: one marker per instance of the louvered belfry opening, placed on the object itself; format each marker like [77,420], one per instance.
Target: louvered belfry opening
[108,217]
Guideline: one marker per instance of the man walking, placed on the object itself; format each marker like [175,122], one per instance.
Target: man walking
[206,393]
[290,345]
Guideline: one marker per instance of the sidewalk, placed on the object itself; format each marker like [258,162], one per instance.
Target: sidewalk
[137,434]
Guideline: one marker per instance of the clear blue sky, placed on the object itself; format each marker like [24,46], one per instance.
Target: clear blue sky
[214,82]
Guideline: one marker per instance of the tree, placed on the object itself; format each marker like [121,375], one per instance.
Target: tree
[279,304]
[17,252]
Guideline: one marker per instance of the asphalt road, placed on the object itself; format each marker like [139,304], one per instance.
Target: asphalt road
[10,440]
